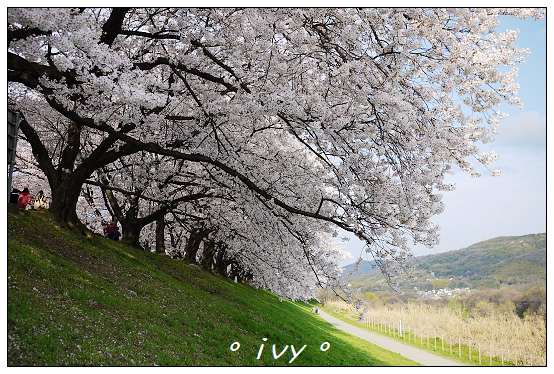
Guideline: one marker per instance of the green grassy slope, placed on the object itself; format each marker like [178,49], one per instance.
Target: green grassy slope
[77,301]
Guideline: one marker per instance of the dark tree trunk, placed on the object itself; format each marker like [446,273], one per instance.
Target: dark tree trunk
[130,232]
[160,235]
[66,190]
[208,255]
[192,246]
[63,206]
[220,263]
[130,224]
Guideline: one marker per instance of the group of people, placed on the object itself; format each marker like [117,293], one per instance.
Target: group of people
[23,199]
[112,231]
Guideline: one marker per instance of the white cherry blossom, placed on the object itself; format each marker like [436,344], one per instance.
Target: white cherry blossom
[292,122]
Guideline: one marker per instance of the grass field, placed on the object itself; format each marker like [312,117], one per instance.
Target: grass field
[75,301]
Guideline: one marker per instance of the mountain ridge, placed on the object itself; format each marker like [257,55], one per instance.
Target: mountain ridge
[489,263]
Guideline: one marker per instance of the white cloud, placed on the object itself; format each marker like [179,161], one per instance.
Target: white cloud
[526,130]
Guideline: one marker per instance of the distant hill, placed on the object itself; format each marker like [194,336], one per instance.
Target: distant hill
[502,260]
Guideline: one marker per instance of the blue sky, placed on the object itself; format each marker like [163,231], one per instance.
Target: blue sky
[514,204]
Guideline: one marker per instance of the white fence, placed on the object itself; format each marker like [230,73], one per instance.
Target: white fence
[500,340]
[472,350]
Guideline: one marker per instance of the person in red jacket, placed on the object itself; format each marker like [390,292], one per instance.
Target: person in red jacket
[110,229]
[24,199]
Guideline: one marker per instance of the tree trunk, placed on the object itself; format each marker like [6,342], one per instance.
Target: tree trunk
[63,206]
[160,235]
[130,232]
[208,255]
[220,263]
[192,246]
[65,195]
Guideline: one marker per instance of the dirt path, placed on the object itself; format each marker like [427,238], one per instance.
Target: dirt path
[422,357]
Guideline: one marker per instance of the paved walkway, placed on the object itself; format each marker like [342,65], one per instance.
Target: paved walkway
[422,357]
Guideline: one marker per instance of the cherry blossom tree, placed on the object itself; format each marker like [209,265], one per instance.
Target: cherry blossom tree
[305,120]
[146,195]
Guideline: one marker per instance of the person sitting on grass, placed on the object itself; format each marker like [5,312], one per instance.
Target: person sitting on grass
[40,201]
[24,199]
[110,229]
[116,234]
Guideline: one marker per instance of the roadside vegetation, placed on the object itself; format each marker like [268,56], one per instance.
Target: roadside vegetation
[77,301]
[497,339]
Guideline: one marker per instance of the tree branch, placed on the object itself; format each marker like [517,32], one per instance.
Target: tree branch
[180,66]
[155,148]
[22,71]
[220,63]
[39,152]
[187,198]
[112,27]
[158,35]
[19,34]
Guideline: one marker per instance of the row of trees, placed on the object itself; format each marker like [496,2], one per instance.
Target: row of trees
[246,138]
[520,300]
